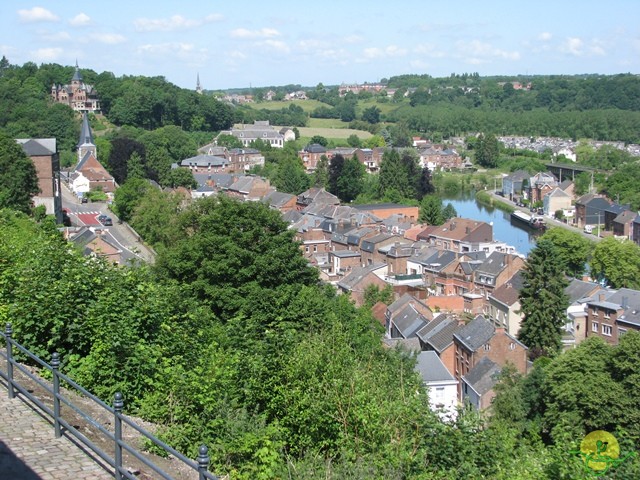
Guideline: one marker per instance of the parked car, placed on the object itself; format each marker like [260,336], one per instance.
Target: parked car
[84,199]
[101,218]
[107,222]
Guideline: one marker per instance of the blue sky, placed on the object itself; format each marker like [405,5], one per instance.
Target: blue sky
[236,44]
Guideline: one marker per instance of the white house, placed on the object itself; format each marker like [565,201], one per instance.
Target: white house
[80,184]
[443,387]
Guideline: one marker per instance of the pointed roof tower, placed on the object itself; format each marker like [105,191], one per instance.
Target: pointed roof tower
[85,146]
[86,137]
[198,86]
[77,76]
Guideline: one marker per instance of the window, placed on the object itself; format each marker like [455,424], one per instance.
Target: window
[594,327]
[487,347]
[621,331]
[439,392]
[606,330]
[512,346]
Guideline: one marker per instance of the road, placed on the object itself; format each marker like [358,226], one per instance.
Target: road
[86,214]
[552,222]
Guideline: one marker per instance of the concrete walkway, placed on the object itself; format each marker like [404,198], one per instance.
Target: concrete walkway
[30,451]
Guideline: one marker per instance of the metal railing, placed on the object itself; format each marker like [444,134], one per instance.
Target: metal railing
[115,438]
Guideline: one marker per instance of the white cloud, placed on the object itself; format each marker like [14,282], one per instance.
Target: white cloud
[176,22]
[37,14]
[428,50]
[237,54]
[419,64]
[251,34]
[183,53]
[108,38]
[277,45]
[545,36]
[353,39]
[46,54]
[477,52]
[389,51]
[573,46]
[56,36]
[80,20]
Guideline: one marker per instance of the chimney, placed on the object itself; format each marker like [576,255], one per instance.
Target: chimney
[625,302]
[467,230]
[601,297]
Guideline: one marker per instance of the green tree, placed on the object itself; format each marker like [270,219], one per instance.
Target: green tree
[18,179]
[371,114]
[320,140]
[431,210]
[543,301]
[291,177]
[354,141]
[350,183]
[336,166]
[135,167]
[487,151]
[449,211]
[573,250]
[320,177]
[128,195]
[180,177]
[617,261]
[229,141]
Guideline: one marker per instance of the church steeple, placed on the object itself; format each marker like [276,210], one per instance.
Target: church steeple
[85,143]
[198,86]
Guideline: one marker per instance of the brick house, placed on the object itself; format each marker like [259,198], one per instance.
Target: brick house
[540,185]
[386,210]
[478,339]
[622,224]
[611,316]
[458,234]
[78,95]
[311,156]
[359,279]
[477,385]
[590,210]
[610,214]
[495,271]
[504,305]
[370,248]
[249,188]
[437,336]
[44,155]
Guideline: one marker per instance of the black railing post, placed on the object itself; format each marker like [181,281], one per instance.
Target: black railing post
[8,331]
[203,461]
[55,365]
[118,403]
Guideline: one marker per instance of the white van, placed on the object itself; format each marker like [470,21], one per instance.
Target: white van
[588,229]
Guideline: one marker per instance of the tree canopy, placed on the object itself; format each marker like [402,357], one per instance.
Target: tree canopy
[18,179]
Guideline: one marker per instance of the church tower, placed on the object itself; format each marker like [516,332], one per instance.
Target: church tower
[198,86]
[85,143]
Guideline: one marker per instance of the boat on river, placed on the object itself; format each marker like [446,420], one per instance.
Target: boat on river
[532,221]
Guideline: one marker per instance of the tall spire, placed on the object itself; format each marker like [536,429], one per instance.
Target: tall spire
[198,86]
[85,143]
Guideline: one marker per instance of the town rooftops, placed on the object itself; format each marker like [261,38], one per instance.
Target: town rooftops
[431,368]
[36,147]
[438,333]
[475,333]
[483,376]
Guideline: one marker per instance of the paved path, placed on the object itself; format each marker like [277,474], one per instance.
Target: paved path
[30,451]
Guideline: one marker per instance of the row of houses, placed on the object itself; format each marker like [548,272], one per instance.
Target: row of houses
[432,156]
[587,212]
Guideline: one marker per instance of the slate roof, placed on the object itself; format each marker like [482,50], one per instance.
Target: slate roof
[431,369]
[558,192]
[345,253]
[205,161]
[36,147]
[625,217]
[354,237]
[315,148]
[408,321]
[318,195]
[475,333]
[438,333]
[629,301]
[565,184]
[439,260]
[616,209]
[579,289]
[494,264]
[86,137]
[400,303]
[483,376]
[213,149]
[379,206]
[509,292]
[369,244]
[277,199]
[357,274]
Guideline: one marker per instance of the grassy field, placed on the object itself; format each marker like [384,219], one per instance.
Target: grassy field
[330,133]
[385,108]
[307,105]
[327,123]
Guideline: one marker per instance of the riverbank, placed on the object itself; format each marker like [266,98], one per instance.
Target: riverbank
[485,198]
